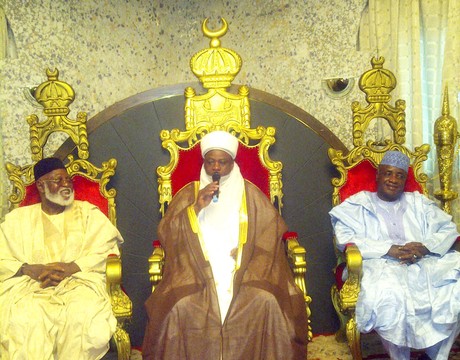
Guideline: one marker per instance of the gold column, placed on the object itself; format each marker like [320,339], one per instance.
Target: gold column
[445,138]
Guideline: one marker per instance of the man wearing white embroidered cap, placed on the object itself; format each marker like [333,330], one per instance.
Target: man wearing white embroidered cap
[410,289]
[227,290]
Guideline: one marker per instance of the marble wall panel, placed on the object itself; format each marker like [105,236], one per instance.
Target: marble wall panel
[109,50]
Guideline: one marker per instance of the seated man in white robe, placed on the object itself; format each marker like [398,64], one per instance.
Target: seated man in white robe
[410,290]
[53,298]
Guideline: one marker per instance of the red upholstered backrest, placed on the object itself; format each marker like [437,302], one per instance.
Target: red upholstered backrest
[85,189]
[187,169]
[252,169]
[190,161]
[362,177]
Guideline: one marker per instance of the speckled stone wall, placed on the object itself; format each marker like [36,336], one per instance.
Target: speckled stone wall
[113,49]
[109,50]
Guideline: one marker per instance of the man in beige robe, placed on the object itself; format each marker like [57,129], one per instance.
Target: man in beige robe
[227,290]
[53,298]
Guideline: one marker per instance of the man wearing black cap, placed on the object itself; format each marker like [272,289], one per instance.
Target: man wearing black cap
[410,289]
[53,301]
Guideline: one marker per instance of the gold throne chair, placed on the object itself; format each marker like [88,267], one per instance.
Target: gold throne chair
[218,109]
[357,170]
[90,183]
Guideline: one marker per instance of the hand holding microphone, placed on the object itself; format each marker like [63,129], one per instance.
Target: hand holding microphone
[206,195]
[215,177]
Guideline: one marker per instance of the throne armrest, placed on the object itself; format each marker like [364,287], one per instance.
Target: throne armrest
[156,262]
[113,269]
[296,255]
[121,305]
[297,258]
[344,294]
[350,289]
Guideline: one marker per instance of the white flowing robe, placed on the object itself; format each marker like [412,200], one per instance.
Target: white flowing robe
[415,305]
[73,320]
[219,227]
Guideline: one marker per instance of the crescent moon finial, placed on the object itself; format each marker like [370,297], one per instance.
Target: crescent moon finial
[214,35]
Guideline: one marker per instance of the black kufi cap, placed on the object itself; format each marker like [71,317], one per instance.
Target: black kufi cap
[47,165]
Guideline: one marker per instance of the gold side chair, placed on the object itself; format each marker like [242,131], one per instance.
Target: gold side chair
[357,170]
[90,183]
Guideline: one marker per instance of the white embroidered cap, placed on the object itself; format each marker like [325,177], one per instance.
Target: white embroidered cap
[396,159]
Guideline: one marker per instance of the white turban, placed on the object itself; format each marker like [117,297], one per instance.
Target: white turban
[219,140]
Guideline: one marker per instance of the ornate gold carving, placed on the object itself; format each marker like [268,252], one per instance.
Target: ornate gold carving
[20,177]
[354,339]
[121,304]
[122,343]
[217,107]
[445,138]
[350,289]
[377,83]
[156,262]
[55,96]
[297,258]
[216,67]
[340,335]
[344,300]
[102,175]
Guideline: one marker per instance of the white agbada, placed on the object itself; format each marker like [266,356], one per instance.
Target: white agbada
[219,227]
[73,320]
[417,305]
[220,221]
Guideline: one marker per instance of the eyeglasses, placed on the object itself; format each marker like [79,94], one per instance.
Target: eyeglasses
[59,180]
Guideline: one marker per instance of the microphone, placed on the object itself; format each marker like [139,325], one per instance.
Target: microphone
[215,177]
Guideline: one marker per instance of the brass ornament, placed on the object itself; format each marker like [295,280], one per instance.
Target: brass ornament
[445,137]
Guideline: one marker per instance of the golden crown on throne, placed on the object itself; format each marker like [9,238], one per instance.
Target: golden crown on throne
[216,68]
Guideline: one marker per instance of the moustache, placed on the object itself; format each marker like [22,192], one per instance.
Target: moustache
[65,191]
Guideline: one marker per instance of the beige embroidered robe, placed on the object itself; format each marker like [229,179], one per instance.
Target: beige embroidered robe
[73,320]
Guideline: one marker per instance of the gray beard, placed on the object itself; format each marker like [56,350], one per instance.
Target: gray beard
[58,198]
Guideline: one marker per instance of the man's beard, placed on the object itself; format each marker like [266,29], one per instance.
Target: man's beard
[58,198]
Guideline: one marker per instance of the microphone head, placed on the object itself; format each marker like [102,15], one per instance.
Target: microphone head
[216,177]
